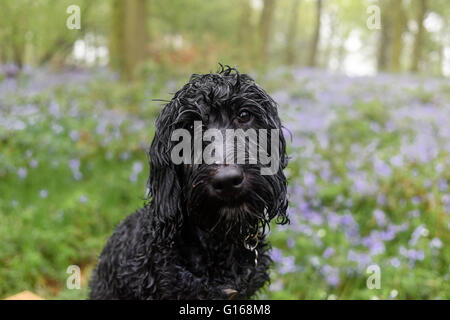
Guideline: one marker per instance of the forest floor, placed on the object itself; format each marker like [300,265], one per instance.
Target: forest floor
[368,179]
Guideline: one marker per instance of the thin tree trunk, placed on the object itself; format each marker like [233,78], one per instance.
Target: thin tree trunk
[17,40]
[292,34]
[417,51]
[397,41]
[128,42]
[116,41]
[245,30]
[385,40]
[265,27]
[312,61]
[136,32]
[18,52]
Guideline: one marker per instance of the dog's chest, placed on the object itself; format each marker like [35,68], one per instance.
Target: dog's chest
[213,261]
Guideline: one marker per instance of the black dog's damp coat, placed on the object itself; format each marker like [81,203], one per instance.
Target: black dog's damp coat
[167,250]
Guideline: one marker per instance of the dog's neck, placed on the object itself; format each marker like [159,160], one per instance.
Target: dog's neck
[192,233]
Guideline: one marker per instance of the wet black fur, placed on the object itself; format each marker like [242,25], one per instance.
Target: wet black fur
[182,244]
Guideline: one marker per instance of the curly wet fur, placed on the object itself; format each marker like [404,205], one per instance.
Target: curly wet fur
[182,245]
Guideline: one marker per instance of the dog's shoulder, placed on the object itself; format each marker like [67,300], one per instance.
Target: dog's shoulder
[133,225]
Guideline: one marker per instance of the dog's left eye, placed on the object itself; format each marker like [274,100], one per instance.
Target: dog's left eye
[244,116]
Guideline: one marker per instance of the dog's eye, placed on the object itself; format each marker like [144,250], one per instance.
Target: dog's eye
[244,116]
[191,125]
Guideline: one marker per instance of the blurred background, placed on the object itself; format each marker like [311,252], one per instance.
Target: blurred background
[362,85]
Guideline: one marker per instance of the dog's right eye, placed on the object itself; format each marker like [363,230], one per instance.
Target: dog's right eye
[190,124]
[244,116]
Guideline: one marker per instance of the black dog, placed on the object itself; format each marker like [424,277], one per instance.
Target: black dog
[202,233]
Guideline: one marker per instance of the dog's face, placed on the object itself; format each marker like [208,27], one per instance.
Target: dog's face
[228,194]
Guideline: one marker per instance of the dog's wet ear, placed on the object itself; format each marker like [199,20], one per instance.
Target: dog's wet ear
[278,210]
[163,182]
[281,205]
[282,217]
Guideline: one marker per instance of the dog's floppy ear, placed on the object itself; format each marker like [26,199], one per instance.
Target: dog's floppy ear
[282,205]
[278,181]
[163,183]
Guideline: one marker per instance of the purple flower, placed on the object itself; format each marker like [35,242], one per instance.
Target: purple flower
[137,168]
[351,227]
[290,242]
[374,243]
[22,173]
[443,185]
[380,217]
[309,179]
[395,262]
[331,275]
[83,199]
[74,165]
[333,279]
[313,217]
[362,260]
[74,135]
[412,254]
[276,255]
[33,163]
[381,168]
[328,252]
[416,254]
[397,161]
[417,233]
[381,199]
[333,220]
[287,265]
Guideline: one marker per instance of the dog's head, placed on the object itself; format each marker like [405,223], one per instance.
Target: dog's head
[218,156]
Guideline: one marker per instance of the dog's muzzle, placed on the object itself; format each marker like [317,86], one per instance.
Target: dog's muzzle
[227,180]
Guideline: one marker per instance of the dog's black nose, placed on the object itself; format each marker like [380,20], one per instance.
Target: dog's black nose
[227,179]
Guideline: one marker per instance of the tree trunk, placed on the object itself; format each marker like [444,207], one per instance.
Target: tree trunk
[383,46]
[397,41]
[16,37]
[292,34]
[265,28]
[245,31]
[312,61]
[18,52]
[417,51]
[385,41]
[128,42]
